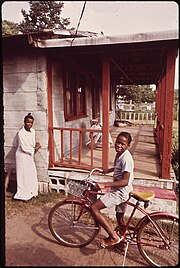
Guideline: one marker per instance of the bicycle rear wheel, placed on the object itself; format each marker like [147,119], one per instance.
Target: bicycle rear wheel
[72,224]
[151,245]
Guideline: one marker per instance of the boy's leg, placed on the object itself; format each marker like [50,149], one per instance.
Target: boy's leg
[96,207]
[120,211]
[120,219]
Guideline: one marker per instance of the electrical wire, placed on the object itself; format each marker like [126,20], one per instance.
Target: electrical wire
[79,22]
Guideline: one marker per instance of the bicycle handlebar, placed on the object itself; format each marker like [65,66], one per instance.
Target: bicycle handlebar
[95,169]
[88,179]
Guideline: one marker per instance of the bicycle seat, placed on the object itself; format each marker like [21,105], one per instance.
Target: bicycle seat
[143,196]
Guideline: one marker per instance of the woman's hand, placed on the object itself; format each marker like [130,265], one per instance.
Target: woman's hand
[37,146]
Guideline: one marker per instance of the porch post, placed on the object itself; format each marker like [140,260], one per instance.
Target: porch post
[168,120]
[105,110]
[50,114]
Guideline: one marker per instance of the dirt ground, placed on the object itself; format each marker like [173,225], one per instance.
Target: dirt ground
[30,243]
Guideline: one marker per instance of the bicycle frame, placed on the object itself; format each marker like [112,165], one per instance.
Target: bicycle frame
[140,222]
[87,202]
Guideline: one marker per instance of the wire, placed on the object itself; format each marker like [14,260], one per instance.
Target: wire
[79,22]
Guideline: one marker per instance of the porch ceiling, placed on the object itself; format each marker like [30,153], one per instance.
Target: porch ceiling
[138,59]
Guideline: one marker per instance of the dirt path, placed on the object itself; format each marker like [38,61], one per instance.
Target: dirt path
[30,243]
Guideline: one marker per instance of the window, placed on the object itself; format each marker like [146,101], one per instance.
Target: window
[95,100]
[74,101]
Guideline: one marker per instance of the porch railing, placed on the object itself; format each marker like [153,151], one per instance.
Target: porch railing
[68,145]
[136,117]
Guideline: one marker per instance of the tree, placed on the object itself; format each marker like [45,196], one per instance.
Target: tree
[43,15]
[136,93]
[9,27]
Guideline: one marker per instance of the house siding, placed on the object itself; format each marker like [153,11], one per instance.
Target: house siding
[25,90]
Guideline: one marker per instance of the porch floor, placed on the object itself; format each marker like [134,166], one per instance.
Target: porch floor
[143,149]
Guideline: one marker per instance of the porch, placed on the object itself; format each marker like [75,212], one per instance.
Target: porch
[147,166]
[87,156]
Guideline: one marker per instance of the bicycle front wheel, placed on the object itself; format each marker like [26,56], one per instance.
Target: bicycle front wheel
[159,248]
[72,224]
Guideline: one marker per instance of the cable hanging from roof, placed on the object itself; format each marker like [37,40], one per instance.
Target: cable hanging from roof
[79,21]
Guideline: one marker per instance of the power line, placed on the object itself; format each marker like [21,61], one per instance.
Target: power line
[79,21]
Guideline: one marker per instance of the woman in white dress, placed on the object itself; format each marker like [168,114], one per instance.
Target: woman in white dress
[26,173]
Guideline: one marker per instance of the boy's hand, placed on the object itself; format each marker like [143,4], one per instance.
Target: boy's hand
[105,170]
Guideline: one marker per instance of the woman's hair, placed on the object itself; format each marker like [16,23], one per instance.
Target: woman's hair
[28,116]
[126,135]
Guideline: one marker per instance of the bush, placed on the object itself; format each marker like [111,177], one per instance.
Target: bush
[175,153]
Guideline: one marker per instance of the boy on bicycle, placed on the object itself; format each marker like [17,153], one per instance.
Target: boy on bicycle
[119,188]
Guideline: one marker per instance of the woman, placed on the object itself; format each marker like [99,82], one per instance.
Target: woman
[27,182]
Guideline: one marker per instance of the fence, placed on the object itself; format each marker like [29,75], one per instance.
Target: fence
[136,117]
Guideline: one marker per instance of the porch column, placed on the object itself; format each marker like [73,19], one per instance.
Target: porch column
[168,120]
[105,110]
[50,114]
[162,114]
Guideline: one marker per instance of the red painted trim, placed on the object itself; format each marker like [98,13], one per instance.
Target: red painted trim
[105,110]
[50,113]
[169,107]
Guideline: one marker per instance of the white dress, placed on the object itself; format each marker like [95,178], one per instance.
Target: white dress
[26,173]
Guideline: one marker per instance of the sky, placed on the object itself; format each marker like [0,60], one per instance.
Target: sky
[110,17]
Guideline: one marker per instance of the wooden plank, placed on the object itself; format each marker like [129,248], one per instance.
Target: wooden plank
[169,105]
[105,110]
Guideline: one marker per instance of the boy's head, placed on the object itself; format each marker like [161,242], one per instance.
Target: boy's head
[123,141]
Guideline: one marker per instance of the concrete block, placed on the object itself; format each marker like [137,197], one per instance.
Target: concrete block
[21,102]
[20,64]
[20,82]
[10,137]
[41,63]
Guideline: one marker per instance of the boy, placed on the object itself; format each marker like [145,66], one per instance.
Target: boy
[120,188]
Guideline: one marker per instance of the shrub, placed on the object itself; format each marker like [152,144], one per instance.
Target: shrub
[175,153]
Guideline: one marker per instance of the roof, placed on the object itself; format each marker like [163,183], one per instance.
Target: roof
[108,40]
[135,58]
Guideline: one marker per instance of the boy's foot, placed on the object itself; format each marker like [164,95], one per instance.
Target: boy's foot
[121,246]
[108,242]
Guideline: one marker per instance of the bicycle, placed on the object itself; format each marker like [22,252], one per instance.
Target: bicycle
[156,234]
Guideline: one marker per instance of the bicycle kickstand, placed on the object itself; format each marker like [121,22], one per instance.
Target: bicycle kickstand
[126,249]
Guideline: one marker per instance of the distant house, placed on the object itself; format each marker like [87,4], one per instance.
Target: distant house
[65,80]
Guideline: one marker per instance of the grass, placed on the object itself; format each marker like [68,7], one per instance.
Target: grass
[13,206]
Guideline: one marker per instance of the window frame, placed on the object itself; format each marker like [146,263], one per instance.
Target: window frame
[74,82]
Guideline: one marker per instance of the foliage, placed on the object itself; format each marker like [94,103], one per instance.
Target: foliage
[43,15]
[9,27]
[136,93]
[176,104]
[175,153]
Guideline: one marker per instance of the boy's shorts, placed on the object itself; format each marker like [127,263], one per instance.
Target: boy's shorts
[115,198]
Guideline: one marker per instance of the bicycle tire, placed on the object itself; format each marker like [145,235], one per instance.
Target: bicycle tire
[65,227]
[154,250]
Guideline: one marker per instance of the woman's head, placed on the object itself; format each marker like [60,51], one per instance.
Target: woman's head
[123,141]
[28,121]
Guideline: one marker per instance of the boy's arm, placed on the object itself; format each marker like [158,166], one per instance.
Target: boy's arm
[121,183]
[107,170]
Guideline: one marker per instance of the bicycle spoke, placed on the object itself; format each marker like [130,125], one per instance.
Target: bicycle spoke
[159,246]
[72,224]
